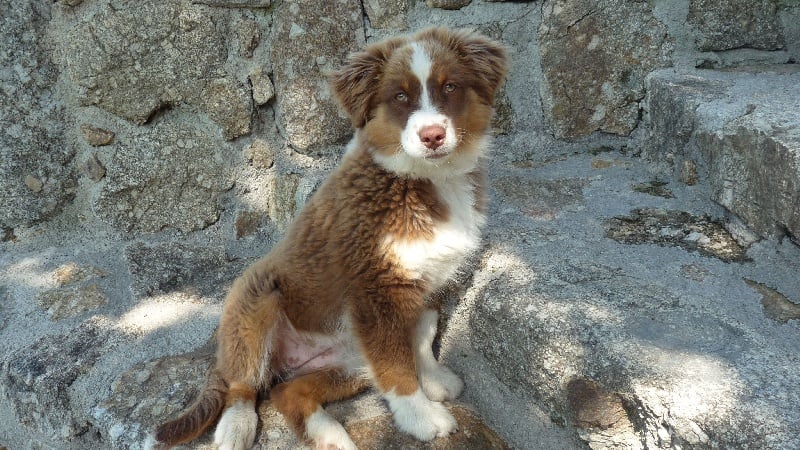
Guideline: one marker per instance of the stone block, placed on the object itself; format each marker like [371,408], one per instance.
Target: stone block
[143,57]
[168,176]
[595,57]
[32,135]
[306,44]
[736,24]
[742,128]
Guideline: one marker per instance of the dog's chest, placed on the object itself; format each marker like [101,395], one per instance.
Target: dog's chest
[435,259]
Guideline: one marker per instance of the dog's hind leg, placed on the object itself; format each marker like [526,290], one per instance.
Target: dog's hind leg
[300,401]
[247,332]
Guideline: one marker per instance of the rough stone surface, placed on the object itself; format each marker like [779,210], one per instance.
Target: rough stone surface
[31,120]
[176,268]
[164,178]
[593,70]
[96,137]
[142,57]
[735,122]
[687,361]
[37,380]
[736,24]
[387,14]
[600,313]
[305,44]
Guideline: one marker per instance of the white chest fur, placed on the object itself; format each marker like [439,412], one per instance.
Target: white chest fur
[436,260]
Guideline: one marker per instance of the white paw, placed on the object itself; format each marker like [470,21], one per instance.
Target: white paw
[237,427]
[420,417]
[440,383]
[151,443]
[327,433]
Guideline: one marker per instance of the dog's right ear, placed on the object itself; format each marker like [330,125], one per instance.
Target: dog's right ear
[356,84]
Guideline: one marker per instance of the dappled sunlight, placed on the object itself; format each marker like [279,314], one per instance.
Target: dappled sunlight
[31,273]
[164,311]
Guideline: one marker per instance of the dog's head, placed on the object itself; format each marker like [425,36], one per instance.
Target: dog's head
[423,102]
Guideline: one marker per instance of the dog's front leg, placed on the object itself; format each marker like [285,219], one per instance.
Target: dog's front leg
[438,382]
[386,326]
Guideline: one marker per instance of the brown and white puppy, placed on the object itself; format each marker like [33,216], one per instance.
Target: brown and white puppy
[340,303]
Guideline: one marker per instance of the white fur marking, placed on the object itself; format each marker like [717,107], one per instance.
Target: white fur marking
[421,67]
[420,417]
[437,260]
[438,382]
[237,427]
[327,433]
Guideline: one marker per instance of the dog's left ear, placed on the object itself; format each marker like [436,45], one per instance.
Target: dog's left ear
[356,83]
[487,57]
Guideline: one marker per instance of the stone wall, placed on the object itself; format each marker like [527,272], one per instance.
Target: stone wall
[150,149]
[178,90]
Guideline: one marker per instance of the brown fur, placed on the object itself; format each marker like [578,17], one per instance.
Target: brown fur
[332,271]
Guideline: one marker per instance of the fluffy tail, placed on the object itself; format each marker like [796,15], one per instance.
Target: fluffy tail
[198,417]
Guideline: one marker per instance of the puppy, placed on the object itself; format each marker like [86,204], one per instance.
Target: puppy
[340,303]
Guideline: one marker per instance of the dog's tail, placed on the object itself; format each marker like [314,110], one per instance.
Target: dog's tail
[198,417]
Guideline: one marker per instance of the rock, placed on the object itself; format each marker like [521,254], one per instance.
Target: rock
[307,112]
[702,234]
[600,415]
[776,305]
[735,123]
[165,177]
[736,24]
[236,3]
[382,14]
[32,135]
[263,90]
[595,57]
[248,222]
[94,169]
[96,137]
[34,184]
[249,34]
[77,292]
[260,154]
[37,380]
[447,4]
[228,104]
[138,59]
[150,393]
[380,432]
[688,173]
[198,272]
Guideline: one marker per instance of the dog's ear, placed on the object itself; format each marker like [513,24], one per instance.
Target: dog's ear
[487,57]
[355,85]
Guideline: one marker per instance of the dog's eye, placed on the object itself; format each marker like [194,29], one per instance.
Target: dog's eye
[401,97]
[449,87]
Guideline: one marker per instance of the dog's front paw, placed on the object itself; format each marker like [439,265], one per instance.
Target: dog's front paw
[416,415]
[327,433]
[440,383]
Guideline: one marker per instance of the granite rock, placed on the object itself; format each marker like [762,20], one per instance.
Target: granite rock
[306,44]
[595,57]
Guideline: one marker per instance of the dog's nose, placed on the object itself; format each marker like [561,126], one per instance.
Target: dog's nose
[432,136]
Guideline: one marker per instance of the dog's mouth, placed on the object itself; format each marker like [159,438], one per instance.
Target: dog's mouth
[436,155]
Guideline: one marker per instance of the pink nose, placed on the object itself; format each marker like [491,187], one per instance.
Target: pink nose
[432,136]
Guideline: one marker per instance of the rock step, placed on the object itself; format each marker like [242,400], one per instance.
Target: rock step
[622,308]
[742,128]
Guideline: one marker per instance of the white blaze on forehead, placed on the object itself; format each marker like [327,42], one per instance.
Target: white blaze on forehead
[421,67]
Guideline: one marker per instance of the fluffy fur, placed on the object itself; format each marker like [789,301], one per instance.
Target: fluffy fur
[340,303]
